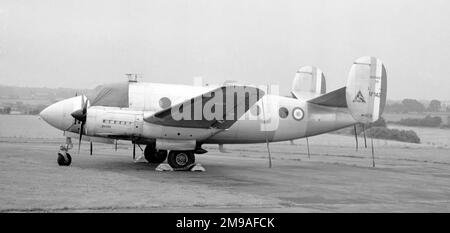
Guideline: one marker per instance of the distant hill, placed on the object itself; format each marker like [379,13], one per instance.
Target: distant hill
[31,100]
[37,93]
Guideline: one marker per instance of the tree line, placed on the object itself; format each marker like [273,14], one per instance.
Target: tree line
[412,105]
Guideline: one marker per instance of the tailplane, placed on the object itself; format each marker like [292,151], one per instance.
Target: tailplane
[365,92]
[366,89]
[309,82]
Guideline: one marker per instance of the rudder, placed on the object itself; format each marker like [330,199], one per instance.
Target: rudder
[366,89]
[309,82]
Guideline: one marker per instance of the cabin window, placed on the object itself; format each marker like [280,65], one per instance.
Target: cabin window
[283,112]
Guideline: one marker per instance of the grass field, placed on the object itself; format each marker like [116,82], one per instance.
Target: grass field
[335,178]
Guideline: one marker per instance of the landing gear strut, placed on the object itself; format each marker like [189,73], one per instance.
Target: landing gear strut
[181,159]
[154,156]
[64,158]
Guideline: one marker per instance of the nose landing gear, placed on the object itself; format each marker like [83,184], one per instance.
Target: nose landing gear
[64,158]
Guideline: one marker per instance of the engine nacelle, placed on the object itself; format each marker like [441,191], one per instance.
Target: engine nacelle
[112,121]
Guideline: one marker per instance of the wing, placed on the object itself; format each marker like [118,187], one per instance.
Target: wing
[218,108]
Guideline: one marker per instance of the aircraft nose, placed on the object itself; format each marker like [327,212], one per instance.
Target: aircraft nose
[58,114]
[53,115]
[47,113]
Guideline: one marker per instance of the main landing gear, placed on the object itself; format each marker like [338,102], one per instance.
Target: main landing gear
[181,159]
[176,159]
[154,156]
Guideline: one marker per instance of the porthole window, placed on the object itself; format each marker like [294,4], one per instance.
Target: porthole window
[283,112]
[298,114]
[164,102]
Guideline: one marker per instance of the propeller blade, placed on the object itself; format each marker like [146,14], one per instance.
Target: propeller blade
[85,103]
[90,148]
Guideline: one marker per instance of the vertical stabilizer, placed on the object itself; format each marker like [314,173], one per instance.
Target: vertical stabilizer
[309,82]
[366,89]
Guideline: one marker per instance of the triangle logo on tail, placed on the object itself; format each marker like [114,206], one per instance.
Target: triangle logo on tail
[359,98]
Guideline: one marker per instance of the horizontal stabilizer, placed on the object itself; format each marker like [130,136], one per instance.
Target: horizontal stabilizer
[309,82]
[335,98]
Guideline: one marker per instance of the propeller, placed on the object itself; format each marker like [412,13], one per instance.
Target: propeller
[80,115]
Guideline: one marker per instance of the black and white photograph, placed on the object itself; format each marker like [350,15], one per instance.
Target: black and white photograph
[224,106]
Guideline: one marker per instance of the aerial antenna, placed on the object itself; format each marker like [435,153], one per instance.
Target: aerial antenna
[115,146]
[356,137]
[265,129]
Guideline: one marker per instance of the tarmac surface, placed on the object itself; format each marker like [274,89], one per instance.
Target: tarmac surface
[336,178]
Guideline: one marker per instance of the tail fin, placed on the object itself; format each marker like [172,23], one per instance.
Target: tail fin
[366,89]
[309,82]
[364,94]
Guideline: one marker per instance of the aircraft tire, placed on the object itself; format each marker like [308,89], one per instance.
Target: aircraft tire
[181,159]
[64,160]
[154,156]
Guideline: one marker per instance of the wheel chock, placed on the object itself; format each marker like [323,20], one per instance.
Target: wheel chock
[193,168]
[198,168]
[163,167]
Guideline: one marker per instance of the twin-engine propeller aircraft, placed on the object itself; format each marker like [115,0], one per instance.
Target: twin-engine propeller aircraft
[174,121]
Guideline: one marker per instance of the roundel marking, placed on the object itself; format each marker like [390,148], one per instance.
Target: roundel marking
[298,114]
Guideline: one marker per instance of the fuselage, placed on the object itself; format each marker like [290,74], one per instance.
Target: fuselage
[272,118]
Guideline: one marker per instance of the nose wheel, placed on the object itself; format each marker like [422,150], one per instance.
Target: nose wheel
[64,158]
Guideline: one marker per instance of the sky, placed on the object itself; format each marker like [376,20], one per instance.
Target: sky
[82,44]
